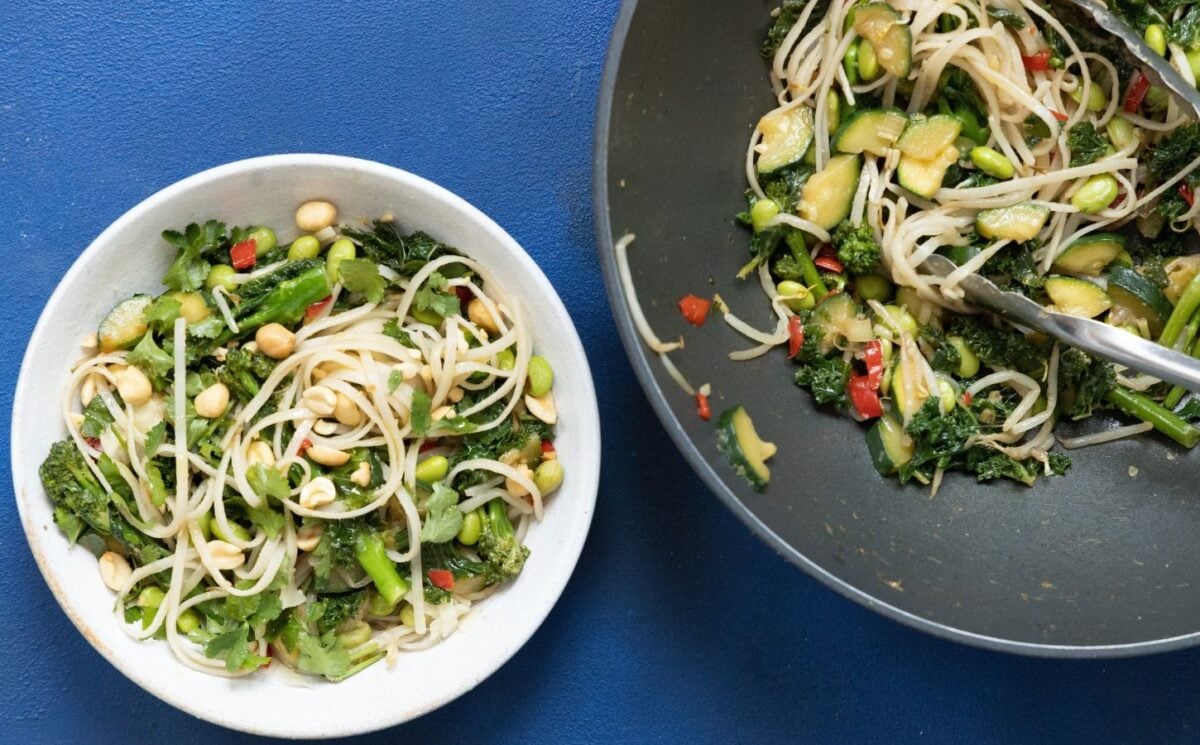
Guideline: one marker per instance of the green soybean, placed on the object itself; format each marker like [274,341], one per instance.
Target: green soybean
[356,634]
[992,162]
[304,247]
[548,476]
[188,621]
[1096,99]
[505,359]
[379,607]
[968,361]
[868,62]
[471,530]
[1157,98]
[221,275]
[264,240]
[541,377]
[341,250]
[762,212]
[850,64]
[872,287]
[1121,132]
[796,296]
[433,469]
[237,530]
[151,597]
[1156,38]
[1097,193]
[833,110]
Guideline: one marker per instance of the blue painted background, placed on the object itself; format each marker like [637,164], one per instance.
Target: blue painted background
[678,626]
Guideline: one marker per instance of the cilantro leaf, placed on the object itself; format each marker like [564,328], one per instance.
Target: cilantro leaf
[322,655]
[190,268]
[161,313]
[421,412]
[362,277]
[233,647]
[432,299]
[152,360]
[268,482]
[395,378]
[392,329]
[268,520]
[155,437]
[96,418]
[443,519]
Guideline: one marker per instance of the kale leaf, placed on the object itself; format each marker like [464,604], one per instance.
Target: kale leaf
[825,379]
[1086,144]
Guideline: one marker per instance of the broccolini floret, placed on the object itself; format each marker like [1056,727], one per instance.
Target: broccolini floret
[502,553]
[79,499]
[856,248]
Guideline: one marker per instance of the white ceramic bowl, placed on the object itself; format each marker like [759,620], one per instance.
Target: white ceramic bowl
[130,256]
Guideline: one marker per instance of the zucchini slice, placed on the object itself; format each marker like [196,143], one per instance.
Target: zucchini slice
[1077,297]
[888,34]
[889,445]
[826,197]
[1020,222]
[1137,296]
[737,438]
[124,324]
[1090,254]
[786,135]
[960,254]
[870,131]
[1180,272]
[840,319]
[924,177]
[925,138]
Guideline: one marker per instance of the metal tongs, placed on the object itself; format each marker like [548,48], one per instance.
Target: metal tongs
[1093,336]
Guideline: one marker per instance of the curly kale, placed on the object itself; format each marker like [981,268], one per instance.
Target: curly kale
[825,379]
[1181,146]
[944,356]
[789,13]
[447,556]
[385,244]
[989,464]
[244,372]
[1013,268]
[998,347]
[1086,144]
[856,248]
[331,611]
[939,439]
[1083,383]
[357,544]
[502,553]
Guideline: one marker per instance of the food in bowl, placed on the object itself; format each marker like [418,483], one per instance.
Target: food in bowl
[322,453]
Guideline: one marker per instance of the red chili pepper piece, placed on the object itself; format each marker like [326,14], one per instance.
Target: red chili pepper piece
[428,445]
[1059,115]
[966,398]
[873,356]
[694,309]
[829,264]
[864,397]
[702,407]
[548,447]
[465,296]
[305,444]
[243,255]
[795,336]
[317,308]
[94,442]
[442,578]
[1038,62]
[1138,86]
[1185,191]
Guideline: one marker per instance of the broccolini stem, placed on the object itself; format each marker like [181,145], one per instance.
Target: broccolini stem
[812,278]
[1189,300]
[1164,420]
[497,514]
[372,556]
[289,299]
[1189,336]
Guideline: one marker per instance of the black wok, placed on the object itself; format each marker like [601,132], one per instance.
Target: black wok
[1098,563]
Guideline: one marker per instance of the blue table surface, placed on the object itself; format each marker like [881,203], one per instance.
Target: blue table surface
[679,625]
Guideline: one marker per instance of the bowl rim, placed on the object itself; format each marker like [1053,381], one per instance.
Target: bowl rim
[642,367]
[588,420]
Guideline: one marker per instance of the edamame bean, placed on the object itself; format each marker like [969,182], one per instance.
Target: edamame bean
[433,469]
[354,635]
[992,162]
[151,597]
[407,617]
[948,397]
[188,621]
[1121,132]
[1156,38]
[850,64]
[379,607]
[872,287]
[901,319]
[505,359]
[868,63]
[541,377]
[304,247]
[264,240]
[1096,100]
[471,530]
[797,295]
[1099,192]
[221,275]
[833,109]
[237,530]
[1157,98]
[341,250]
[548,476]
[968,361]
[762,212]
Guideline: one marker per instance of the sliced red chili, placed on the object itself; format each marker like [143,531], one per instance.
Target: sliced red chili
[547,447]
[829,264]
[864,397]
[873,357]
[1059,115]
[1139,85]
[1037,62]
[694,309]
[795,336]
[94,442]
[702,407]
[317,308]
[305,444]
[243,255]
[1185,191]
[465,296]
[966,398]
[442,578]
[428,445]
